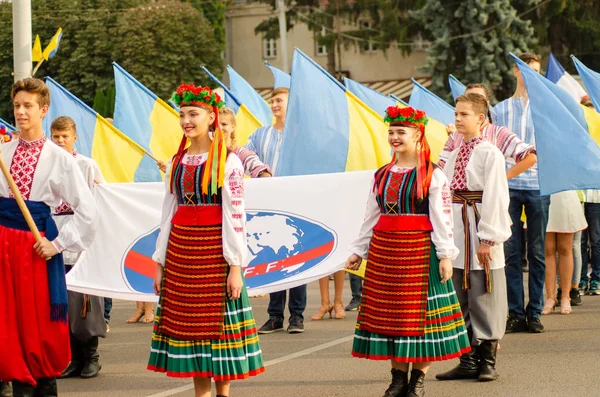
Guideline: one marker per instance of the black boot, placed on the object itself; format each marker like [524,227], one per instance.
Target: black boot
[91,364]
[46,387]
[5,389]
[416,386]
[487,364]
[399,384]
[76,365]
[467,368]
[20,389]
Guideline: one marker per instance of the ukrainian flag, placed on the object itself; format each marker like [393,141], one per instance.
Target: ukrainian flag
[246,122]
[246,94]
[456,87]
[564,130]
[591,80]
[52,47]
[281,78]
[146,119]
[36,51]
[116,154]
[327,128]
[435,131]
[434,106]
[9,127]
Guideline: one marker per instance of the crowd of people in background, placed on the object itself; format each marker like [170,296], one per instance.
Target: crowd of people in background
[467,215]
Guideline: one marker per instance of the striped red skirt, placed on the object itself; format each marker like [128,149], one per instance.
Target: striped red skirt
[195,277]
[397,277]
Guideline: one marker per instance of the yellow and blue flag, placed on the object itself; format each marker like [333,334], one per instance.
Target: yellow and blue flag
[559,76]
[591,80]
[246,94]
[399,101]
[9,127]
[328,129]
[146,119]
[246,122]
[52,47]
[36,51]
[116,154]
[435,107]
[281,78]
[563,130]
[456,87]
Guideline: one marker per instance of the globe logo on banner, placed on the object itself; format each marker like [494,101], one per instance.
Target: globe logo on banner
[282,245]
[138,267]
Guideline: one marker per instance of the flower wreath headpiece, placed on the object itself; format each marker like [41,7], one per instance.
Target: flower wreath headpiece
[408,116]
[203,97]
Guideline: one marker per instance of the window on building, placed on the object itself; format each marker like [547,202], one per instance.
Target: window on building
[269,48]
[321,49]
[368,46]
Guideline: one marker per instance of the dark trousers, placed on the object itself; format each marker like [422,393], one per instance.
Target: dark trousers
[355,285]
[592,236]
[296,304]
[536,210]
[107,309]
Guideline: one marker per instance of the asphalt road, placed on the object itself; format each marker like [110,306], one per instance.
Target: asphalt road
[564,361]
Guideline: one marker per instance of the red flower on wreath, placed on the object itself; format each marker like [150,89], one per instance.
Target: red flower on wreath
[419,114]
[406,112]
[393,112]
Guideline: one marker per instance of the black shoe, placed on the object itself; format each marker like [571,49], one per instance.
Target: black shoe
[353,305]
[487,364]
[575,296]
[22,389]
[534,325]
[271,326]
[296,326]
[399,384]
[416,386]
[514,324]
[73,369]
[5,389]
[91,358]
[467,368]
[46,387]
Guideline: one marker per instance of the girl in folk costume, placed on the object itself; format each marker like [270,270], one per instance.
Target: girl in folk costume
[204,326]
[409,311]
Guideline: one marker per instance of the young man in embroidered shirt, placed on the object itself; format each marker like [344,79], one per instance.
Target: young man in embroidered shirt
[476,171]
[33,298]
[515,114]
[86,312]
[266,143]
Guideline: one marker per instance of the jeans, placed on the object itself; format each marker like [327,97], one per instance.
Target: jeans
[536,210]
[297,303]
[355,286]
[592,233]
[577,261]
[107,309]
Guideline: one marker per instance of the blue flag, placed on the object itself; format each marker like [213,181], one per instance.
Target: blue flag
[373,99]
[247,95]
[456,87]
[591,80]
[568,157]
[434,106]
[282,79]
[395,98]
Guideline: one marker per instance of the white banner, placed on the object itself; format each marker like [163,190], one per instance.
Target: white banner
[299,230]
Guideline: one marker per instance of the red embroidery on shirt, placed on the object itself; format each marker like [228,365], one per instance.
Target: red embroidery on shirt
[24,164]
[236,184]
[459,180]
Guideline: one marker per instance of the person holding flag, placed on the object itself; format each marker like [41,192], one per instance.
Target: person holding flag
[406,238]
[204,326]
[33,298]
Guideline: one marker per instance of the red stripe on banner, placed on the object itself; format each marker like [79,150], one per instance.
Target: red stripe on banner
[265,268]
[140,264]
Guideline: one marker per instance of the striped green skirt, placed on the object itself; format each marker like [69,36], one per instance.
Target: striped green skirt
[445,333]
[236,355]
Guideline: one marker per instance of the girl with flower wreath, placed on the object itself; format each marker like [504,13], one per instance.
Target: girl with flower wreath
[409,311]
[204,326]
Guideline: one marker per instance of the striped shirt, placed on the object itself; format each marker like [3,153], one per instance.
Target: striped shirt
[591,196]
[515,114]
[266,143]
[509,144]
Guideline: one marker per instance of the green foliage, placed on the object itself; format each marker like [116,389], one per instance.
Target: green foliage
[472,40]
[104,101]
[162,43]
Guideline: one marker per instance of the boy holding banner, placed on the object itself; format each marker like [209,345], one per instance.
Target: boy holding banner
[33,299]
[86,312]
[476,172]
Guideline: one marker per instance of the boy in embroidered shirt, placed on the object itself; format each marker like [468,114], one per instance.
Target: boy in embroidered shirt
[476,172]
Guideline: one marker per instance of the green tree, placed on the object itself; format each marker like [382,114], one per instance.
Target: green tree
[471,39]
[214,12]
[389,19]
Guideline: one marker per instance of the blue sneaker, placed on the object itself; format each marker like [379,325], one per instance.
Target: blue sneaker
[583,288]
[594,288]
